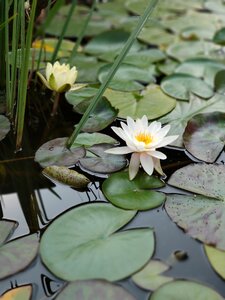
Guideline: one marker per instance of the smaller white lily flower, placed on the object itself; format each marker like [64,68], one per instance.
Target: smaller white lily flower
[59,77]
[142,141]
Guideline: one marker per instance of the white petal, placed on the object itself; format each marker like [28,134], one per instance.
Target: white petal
[157,154]
[144,121]
[134,165]
[48,70]
[130,123]
[163,132]
[119,132]
[119,150]
[154,127]
[147,163]
[158,167]
[167,140]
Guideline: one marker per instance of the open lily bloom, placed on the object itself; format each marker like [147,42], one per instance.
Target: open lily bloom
[59,77]
[142,141]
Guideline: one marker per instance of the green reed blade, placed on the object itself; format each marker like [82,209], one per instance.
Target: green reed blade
[81,35]
[3,20]
[112,71]
[8,82]
[55,53]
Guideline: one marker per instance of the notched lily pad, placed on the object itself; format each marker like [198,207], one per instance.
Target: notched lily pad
[185,290]
[150,277]
[17,254]
[66,176]
[87,233]
[20,293]
[4,127]
[181,86]
[204,136]
[216,258]
[133,194]
[54,152]
[93,289]
[98,161]
[204,179]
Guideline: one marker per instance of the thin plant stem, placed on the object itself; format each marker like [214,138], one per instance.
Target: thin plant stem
[55,104]
[82,32]
[24,77]
[3,20]
[8,83]
[112,71]
[65,26]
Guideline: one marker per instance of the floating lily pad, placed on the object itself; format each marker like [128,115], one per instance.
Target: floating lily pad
[128,77]
[93,289]
[109,41]
[150,277]
[6,229]
[202,68]
[155,35]
[201,178]
[217,6]
[4,127]
[216,258]
[185,290]
[219,37]
[66,176]
[168,66]
[90,139]
[180,86]
[220,82]
[98,161]
[76,97]
[20,293]
[201,217]
[204,136]
[95,251]
[198,33]
[133,194]
[151,102]
[54,152]
[17,254]
[183,112]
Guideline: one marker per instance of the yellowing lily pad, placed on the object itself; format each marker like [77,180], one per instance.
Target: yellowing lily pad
[87,233]
[151,102]
[185,290]
[20,293]
[216,258]
[150,277]
[133,194]
[93,289]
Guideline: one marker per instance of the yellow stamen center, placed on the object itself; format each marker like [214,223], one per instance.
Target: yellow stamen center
[145,138]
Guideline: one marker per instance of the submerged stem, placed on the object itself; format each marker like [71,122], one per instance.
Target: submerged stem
[112,71]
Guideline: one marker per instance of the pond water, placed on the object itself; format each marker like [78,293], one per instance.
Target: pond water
[32,200]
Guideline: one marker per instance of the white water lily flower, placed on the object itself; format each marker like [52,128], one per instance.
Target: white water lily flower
[142,141]
[59,77]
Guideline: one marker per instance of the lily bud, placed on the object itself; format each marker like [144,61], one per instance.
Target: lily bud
[59,78]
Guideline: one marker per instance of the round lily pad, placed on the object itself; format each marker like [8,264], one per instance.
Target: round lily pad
[219,37]
[204,136]
[4,127]
[98,161]
[185,290]
[6,229]
[23,292]
[82,244]
[54,152]
[180,86]
[133,194]
[151,102]
[128,77]
[93,289]
[216,258]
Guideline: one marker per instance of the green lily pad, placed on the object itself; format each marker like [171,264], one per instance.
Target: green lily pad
[185,290]
[204,136]
[109,41]
[168,66]
[4,127]
[201,178]
[186,50]
[219,37]
[76,97]
[216,258]
[193,33]
[90,139]
[95,250]
[128,77]
[98,161]
[151,102]
[180,86]
[150,277]
[183,112]
[93,289]
[135,194]
[199,216]
[220,82]
[23,292]
[202,68]
[17,254]
[6,229]
[54,152]
[217,6]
